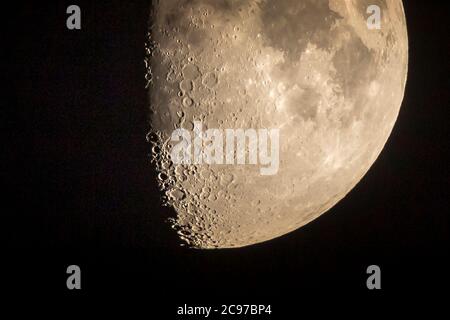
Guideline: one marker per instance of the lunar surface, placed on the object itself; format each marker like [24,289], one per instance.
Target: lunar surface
[311,68]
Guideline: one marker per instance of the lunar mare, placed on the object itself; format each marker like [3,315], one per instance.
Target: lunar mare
[311,68]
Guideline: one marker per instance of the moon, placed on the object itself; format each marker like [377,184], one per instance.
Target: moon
[312,68]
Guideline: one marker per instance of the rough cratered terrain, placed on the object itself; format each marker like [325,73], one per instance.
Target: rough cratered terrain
[309,67]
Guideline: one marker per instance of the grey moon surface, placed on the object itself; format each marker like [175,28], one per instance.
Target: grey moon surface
[311,68]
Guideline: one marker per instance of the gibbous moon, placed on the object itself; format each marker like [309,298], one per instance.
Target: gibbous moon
[311,68]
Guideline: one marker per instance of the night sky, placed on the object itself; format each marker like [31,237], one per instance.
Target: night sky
[79,188]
